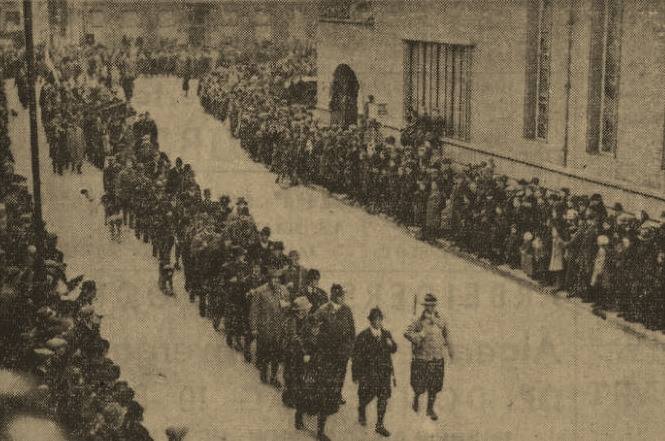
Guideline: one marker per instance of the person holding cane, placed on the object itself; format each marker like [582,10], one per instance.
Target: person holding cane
[372,369]
[430,339]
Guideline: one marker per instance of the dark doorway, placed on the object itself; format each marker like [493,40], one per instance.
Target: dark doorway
[344,99]
[198,14]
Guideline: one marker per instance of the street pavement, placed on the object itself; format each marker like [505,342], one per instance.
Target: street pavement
[526,366]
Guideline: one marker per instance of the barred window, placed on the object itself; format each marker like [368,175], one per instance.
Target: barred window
[604,65]
[538,61]
[438,78]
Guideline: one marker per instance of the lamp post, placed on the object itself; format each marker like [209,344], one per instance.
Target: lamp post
[38,222]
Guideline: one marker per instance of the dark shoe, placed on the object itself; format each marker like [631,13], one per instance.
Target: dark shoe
[414,405]
[362,418]
[341,401]
[322,437]
[433,416]
[382,431]
[299,423]
[275,383]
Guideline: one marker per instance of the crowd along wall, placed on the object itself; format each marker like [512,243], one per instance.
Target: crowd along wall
[498,31]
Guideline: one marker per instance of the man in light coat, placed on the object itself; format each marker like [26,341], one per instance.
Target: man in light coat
[430,339]
[269,304]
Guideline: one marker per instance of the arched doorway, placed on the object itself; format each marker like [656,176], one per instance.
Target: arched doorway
[344,97]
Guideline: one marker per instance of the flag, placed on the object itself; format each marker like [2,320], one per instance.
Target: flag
[49,65]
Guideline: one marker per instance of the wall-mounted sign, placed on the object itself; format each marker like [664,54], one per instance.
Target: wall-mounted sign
[346,11]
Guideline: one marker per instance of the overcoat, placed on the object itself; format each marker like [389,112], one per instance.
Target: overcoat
[76,143]
[319,387]
[295,343]
[316,296]
[372,365]
[267,312]
[334,345]
[435,204]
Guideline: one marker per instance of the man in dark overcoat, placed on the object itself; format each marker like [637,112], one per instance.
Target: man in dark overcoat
[295,274]
[260,251]
[294,342]
[329,342]
[339,332]
[315,295]
[267,313]
[372,368]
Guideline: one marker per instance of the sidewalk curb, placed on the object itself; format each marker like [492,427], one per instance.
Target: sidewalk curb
[574,304]
[636,330]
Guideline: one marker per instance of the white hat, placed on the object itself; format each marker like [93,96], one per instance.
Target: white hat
[301,304]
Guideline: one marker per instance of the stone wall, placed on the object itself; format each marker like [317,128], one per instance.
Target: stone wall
[497,29]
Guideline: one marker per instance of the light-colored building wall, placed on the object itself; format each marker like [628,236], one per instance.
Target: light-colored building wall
[497,29]
[109,21]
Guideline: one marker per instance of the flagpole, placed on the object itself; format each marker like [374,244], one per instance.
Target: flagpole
[38,222]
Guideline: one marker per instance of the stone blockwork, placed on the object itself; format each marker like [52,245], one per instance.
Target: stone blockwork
[498,30]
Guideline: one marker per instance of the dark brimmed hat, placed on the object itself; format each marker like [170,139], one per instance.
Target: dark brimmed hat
[374,314]
[336,290]
[430,300]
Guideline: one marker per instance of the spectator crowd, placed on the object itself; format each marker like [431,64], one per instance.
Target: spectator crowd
[573,242]
[50,330]
[271,308]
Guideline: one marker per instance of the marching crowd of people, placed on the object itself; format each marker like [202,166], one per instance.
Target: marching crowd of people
[269,307]
[605,256]
[244,281]
[51,331]
[173,60]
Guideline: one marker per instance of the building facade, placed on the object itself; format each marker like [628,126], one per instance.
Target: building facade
[194,22]
[11,21]
[568,90]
